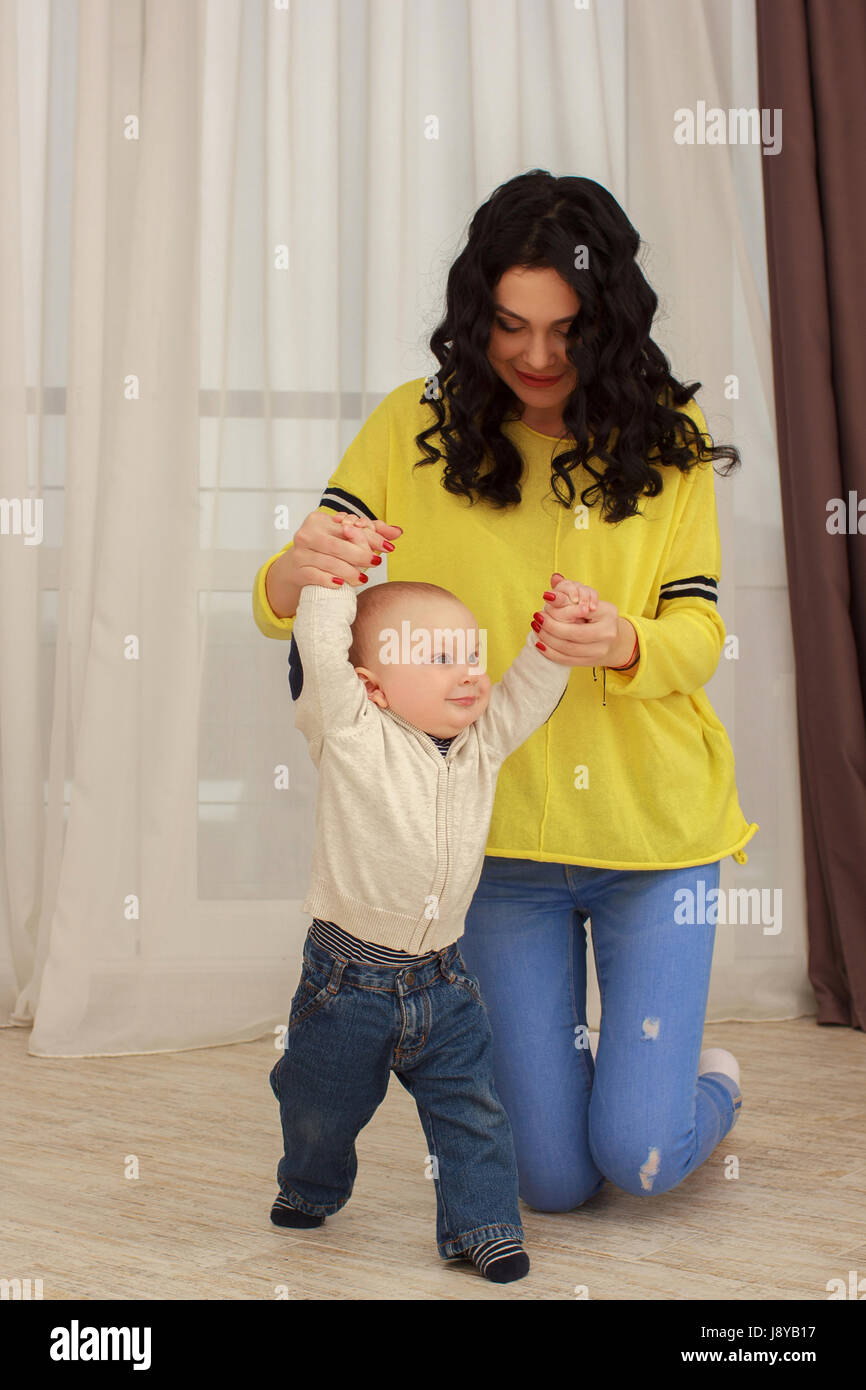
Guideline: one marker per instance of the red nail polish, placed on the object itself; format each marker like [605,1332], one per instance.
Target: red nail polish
[389,545]
[539,617]
[363,578]
[548,595]
[376,560]
[541,647]
[536,627]
[336,581]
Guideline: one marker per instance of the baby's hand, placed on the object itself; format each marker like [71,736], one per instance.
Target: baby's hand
[361,532]
[573,602]
[359,523]
[350,518]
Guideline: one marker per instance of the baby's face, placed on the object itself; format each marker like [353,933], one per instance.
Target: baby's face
[444,688]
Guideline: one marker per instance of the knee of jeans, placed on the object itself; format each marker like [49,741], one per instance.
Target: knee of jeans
[543,1192]
[635,1167]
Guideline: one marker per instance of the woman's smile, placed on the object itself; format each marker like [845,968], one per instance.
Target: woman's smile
[538,381]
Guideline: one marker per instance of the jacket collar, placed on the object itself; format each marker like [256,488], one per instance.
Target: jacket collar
[458,741]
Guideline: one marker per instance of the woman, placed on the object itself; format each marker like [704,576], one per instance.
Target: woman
[554,441]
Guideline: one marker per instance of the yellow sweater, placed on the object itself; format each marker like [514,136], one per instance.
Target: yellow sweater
[633,770]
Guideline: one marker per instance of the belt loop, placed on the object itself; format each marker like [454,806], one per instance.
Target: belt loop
[446,970]
[336,976]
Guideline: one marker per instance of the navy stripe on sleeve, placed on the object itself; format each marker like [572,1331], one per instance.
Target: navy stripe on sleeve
[694,586]
[341,501]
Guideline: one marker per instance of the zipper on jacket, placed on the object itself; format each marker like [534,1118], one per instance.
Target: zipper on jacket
[444,764]
[438,891]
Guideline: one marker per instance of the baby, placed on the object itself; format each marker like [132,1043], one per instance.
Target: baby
[408,735]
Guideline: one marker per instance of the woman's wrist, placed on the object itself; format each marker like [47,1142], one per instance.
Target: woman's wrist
[627,651]
[282,595]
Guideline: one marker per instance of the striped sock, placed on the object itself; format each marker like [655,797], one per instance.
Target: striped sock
[501,1261]
[284,1214]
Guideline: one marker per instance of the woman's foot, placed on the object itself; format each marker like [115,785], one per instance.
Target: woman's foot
[719,1059]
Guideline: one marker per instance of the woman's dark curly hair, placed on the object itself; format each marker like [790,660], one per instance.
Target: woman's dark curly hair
[624,381]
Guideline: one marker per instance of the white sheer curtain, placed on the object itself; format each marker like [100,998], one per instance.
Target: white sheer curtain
[226,230]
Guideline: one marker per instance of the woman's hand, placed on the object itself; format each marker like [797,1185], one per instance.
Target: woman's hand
[329,548]
[577,628]
[335,545]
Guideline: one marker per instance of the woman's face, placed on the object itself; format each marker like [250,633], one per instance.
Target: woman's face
[529,334]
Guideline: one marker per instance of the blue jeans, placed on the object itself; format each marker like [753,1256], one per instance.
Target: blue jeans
[639,1115]
[350,1025]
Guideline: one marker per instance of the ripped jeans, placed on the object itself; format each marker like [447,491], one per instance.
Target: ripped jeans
[639,1115]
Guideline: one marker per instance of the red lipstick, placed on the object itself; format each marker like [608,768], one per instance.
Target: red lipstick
[538,380]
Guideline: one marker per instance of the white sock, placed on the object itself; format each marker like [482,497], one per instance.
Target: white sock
[719,1059]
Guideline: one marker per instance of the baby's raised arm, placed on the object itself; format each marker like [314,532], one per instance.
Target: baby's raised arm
[327,693]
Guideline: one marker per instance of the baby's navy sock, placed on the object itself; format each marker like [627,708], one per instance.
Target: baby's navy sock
[283,1214]
[501,1261]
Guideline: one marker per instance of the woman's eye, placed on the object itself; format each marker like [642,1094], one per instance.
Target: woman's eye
[561,332]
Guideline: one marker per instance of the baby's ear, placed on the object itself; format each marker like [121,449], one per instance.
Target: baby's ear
[374,690]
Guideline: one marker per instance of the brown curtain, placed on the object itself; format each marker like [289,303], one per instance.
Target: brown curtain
[812,67]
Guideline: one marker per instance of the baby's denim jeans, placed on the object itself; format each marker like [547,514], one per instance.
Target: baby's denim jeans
[351,1024]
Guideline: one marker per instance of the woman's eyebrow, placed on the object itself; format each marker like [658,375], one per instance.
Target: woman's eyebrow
[511,314]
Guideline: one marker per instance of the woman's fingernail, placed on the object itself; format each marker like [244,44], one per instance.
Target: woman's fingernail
[548,595]
[376,560]
[336,580]
[363,578]
[539,617]
[536,627]
[389,545]
[541,647]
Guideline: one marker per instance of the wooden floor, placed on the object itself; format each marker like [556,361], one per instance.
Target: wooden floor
[204,1127]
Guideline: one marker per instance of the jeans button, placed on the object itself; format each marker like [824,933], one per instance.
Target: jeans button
[410,978]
